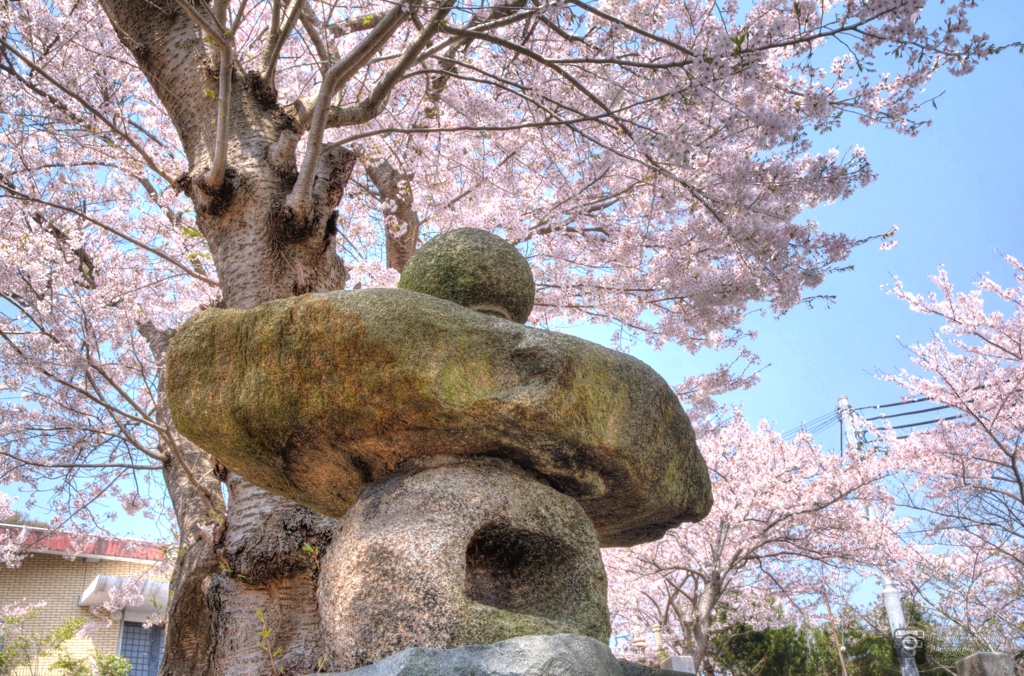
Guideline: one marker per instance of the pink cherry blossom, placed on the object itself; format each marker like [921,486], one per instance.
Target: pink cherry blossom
[787,524]
[966,478]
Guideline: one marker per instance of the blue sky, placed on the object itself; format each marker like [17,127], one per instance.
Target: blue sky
[956,192]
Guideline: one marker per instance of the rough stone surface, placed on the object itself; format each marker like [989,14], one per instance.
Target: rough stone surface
[680,663]
[451,551]
[475,269]
[313,397]
[560,655]
[986,664]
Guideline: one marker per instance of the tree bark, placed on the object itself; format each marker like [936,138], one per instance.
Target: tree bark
[703,617]
[190,476]
[272,573]
[262,251]
[402,231]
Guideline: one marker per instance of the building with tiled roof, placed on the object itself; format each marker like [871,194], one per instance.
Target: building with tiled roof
[71,586]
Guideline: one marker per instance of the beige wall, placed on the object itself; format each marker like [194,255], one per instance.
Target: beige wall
[59,582]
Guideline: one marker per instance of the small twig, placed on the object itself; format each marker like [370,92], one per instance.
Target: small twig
[216,35]
[267,645]
[214,177]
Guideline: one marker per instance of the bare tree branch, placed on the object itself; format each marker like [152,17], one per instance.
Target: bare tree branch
[75,465]
[394,188]
[276,40]
[225,40]
[372,105]
[309,23]
[301,195]
[13,192]
[636,29]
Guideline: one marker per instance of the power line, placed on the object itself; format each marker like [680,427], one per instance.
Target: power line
[929,422]
[819,424]
[898,415]
[827,420]
[898,403]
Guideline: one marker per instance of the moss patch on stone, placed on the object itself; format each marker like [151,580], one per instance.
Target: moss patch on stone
[484,625]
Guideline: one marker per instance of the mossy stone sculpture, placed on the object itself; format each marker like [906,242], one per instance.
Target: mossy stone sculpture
[474,269]
[497,554]
[477,464]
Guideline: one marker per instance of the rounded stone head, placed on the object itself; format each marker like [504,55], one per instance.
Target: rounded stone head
[474,269]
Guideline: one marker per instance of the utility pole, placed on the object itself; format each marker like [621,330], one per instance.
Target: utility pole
[906,641]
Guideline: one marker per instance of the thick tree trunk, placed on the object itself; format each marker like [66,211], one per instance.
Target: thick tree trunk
[262,251]
[192,482]
[273,546]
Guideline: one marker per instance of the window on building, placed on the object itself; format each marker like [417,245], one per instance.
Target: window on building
[144,648]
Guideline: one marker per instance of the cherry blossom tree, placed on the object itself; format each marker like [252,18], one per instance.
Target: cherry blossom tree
[787,529]
[652,159]
[979,597]
[967,483]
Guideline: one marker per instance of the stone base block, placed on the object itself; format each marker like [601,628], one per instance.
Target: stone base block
[986,664]
[561,655]
[680,663]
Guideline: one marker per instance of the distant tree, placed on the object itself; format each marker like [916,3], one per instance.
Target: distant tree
[965,478]
[10,543]
[17,518]
[96,664]
[810,649]
[23,647]
[742,650]
[787,521]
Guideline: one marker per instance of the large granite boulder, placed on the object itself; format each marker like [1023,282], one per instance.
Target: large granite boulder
[561,655]
[316,396]
[452,551]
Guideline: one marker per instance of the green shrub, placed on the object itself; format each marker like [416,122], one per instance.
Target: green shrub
[97,664]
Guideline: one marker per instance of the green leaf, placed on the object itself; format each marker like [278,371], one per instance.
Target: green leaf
[212,94]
